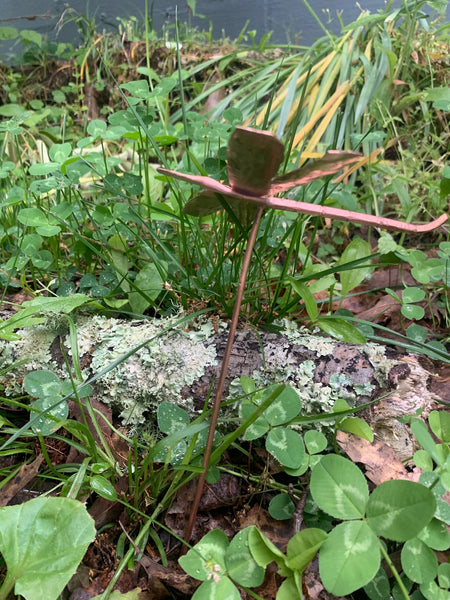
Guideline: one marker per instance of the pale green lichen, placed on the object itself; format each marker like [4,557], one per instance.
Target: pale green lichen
[174,357]
[158,371]
[32,350]
[321,346]
[317,397]
[376,354]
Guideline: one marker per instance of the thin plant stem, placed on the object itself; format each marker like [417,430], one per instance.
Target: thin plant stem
[223,371]
[395,573]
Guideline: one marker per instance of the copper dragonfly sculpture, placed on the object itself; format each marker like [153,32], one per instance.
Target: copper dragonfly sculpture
[253,159]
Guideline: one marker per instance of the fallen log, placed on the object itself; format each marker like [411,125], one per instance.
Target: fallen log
[177,360]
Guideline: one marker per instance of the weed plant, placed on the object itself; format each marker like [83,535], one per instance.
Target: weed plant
[87,219]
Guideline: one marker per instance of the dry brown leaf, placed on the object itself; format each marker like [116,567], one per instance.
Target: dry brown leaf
[172,576]
[278,532]
[20,481]
[380,460]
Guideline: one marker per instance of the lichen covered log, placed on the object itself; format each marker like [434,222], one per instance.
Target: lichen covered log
[180,359]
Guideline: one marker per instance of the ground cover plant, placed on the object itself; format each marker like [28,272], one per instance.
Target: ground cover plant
[91,227]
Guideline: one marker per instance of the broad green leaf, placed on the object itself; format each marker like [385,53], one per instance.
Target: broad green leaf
[411,311]
[32,36]
[349,558]
[281,507]
[8,33]
[423,460]
[59,152]
[263,550]
[119,259]
[289,589]
[286,446]
[42,259]
[284,408]
[445,479]
[43,169]
[241,566]
[49,407]
[171,418]
[386,243]
[323,282]
[357,426]
[444,575]
[432,591]
[303,546]
[48,230]
[259,427]
[412,294]
[217,588]
[440,96]
[444,186]
[103,487]
[34,544]
[149,284]
[31,244]
[379,587]
[315,441]
[435,535]
[305,294]
[26,316]
[247,383]
[32,217]
[96,128]
[139,88]
[339,488]
[342,330]
[398,510]
[357,249]
[423,436]
[306,462]
[439,421]
[417,333]
[54,304]
[42,383]
[418,561]
[207,558]
[173,453]
[14,110]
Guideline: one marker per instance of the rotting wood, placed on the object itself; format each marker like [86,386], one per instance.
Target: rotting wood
[182,364]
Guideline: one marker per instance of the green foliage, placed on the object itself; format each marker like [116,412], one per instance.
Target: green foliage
[350,555]
[84,210]
[116,595]
[174,422]
[34,312]
[284,444]
[51,404]
[219,563]
[34,544]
